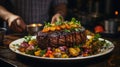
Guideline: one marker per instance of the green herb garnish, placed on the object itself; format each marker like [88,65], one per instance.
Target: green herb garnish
[67,30]
[27,38]
[42,52]
[97,36]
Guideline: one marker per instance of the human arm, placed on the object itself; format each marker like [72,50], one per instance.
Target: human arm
[15,22]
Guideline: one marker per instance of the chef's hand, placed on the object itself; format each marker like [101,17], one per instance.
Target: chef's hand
[57,17]
[16,23]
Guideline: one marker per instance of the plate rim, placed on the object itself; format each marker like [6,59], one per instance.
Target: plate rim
[11,46]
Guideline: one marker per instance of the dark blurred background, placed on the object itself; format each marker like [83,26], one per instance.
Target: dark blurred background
[91,12]
[104,7]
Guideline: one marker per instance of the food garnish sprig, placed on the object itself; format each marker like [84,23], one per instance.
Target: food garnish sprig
[62,25]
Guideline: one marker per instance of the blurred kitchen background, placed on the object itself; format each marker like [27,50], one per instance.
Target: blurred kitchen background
[95,15]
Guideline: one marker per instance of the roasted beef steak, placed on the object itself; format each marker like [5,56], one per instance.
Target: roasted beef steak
[61,38]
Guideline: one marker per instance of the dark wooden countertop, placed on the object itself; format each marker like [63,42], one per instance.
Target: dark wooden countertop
[109,60]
